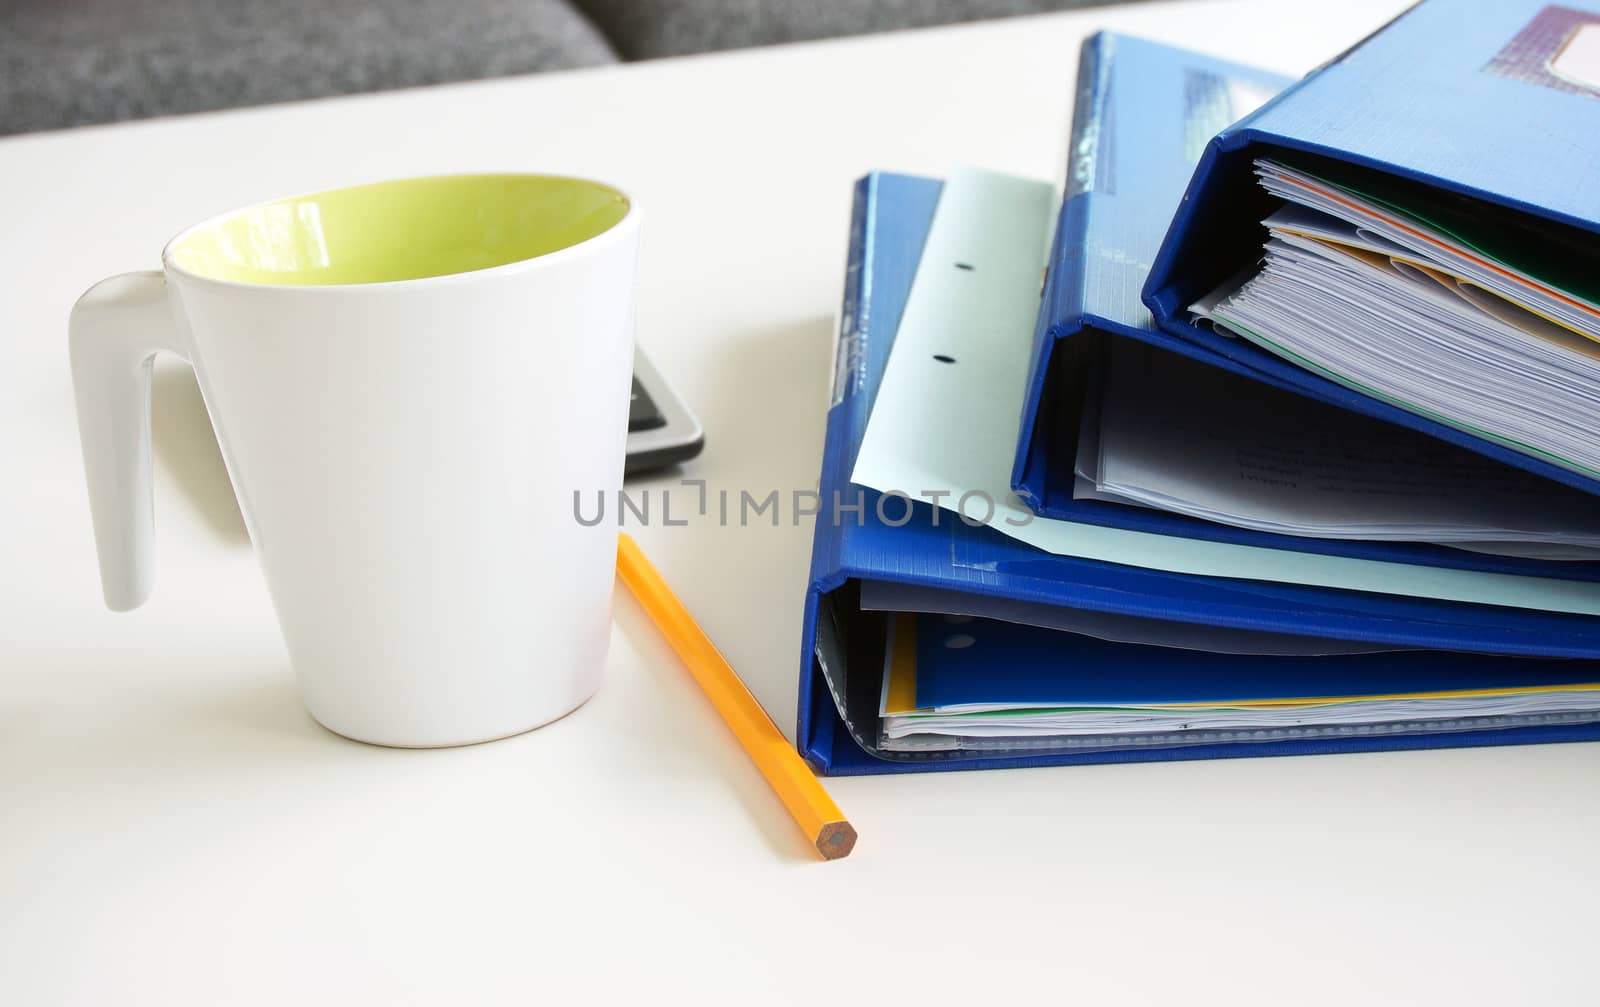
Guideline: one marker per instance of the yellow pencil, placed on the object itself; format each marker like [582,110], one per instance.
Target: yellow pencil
[813,810]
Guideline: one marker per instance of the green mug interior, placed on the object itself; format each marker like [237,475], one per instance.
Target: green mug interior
[402,230]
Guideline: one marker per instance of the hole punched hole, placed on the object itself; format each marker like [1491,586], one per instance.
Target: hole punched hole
[969,267]
[944,358]
[959,641]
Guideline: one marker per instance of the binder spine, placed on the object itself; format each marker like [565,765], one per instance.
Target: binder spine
[847,416]
[1061,303]
[1088,114]
[1091,173]
[848,360]
[847,412]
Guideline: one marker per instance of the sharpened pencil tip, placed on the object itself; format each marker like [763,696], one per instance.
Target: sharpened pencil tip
[836,840]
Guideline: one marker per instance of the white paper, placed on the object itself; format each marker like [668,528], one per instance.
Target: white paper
[951,428]
[1419,340]
[992,722]
[1430,245]
[1277,462]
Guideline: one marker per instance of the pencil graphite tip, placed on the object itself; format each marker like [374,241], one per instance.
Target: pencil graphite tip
[836,840]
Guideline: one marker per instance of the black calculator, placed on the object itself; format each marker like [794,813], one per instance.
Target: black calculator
[661,430]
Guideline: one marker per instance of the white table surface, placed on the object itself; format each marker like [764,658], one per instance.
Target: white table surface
[174,829]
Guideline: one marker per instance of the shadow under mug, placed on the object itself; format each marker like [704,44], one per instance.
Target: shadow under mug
[408,381]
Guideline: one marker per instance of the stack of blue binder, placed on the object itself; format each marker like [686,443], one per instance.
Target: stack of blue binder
[1111,660]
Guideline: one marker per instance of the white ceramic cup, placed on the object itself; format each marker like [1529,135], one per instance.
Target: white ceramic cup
[409,381]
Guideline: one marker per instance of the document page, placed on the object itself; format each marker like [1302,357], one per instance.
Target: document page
[987,685]
[1470,315]
[1177,435]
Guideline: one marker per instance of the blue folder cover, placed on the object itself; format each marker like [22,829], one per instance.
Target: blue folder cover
[1458,95]
[841,666]
[1143,115]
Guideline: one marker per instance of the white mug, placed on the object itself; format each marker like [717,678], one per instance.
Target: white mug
[408,381]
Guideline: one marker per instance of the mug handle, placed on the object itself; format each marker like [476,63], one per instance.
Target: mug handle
[116,329]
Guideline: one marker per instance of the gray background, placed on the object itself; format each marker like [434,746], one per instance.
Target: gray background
[74,62]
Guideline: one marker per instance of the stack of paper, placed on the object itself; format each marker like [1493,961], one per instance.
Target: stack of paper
[1154,433]
[1461,314]
[955,682]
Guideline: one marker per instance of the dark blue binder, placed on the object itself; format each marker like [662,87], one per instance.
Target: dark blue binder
[1460,96]
[1143,115]
[843,646]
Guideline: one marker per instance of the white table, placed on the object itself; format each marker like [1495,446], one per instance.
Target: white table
[174,829]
